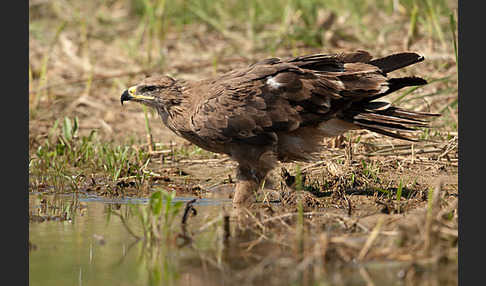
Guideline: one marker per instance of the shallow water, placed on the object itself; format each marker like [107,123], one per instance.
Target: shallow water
[90,249]
[94,248]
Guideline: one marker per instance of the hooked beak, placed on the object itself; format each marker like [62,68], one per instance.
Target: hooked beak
[130,94]
[125,96]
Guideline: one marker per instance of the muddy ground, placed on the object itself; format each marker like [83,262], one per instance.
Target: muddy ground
[369,198]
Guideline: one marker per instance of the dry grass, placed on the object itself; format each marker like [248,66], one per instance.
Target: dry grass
[369,200]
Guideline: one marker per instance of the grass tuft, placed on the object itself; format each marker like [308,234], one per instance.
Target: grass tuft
[64,156]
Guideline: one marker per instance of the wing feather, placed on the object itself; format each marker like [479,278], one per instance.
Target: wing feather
[255,104]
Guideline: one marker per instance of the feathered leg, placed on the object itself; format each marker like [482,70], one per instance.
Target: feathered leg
[246,187]
[251,172]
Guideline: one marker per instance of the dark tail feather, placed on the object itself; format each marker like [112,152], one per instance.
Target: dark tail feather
[392,121]
[398,83]
[391,132]
[396,61]
[381,117]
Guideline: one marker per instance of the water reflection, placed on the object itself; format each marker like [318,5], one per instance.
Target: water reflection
[92,246]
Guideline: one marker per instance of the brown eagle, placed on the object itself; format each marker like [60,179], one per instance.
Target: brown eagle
[280,109]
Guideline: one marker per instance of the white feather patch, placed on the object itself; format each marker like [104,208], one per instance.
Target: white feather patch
[272,83]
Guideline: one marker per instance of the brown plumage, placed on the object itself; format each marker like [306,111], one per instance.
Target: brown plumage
[280,109]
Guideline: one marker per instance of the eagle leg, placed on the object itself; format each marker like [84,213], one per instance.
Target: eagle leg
[250,175]
[245,192]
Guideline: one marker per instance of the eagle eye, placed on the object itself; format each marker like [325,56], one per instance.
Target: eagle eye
[148,88]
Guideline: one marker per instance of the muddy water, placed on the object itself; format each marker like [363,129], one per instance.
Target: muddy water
[92,247]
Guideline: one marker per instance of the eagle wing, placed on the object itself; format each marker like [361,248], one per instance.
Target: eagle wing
[254,104]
